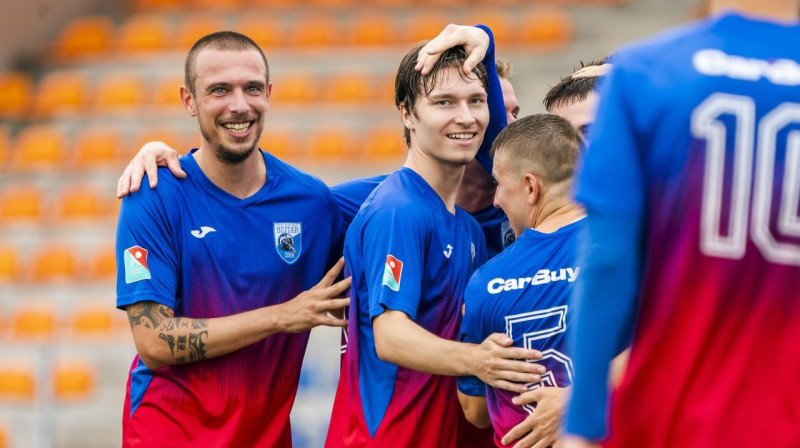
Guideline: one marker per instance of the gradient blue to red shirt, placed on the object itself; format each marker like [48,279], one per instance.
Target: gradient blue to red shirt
[693,172]
[524,293]
[243,398]
[379,404]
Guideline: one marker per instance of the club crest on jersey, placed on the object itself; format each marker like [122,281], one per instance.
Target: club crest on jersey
[507,234]
[392,273]
[288,240]
[136,269]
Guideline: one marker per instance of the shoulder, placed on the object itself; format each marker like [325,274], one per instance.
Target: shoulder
[301,183]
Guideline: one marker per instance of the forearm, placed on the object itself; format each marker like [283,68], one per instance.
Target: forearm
[497,109]
[475,410]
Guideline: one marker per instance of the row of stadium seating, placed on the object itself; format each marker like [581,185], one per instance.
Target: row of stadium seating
[235,4]
[98,35]
[42,323]
[69,382]
[49,148]
[59,264]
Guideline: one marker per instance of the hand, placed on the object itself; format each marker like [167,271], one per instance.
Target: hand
[502,366]
[311,308]
[540,429]
[147,160]
[570,441]
[474,40]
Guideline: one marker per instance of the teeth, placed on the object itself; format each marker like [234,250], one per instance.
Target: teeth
[238,128]
[461,136]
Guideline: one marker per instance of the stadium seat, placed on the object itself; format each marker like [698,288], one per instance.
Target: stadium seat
[86,36]
[96,148]
[17,383]
[267,33]
[80,204]
[144,34]
[279,144]
[38,147]
[298,88]
[73,381]
[33,323]
[273,4]
[55,264]
[119,92]
[62,92]
[16,91]
[167,136]
[372,30]
[5,138]
[332,144]
[502,23]
[4,437]
[94,321]
[21,204]
[167,98]
[9,265]
[385,143]
[194,27]
[104,265]
[155,5]
[227,5]
[425,26]
[316,31]
[349,88]
[547,27]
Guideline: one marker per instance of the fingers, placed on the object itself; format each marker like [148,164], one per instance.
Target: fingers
[174,165]
[333,322]
[338,288]
[136,173]
[336,304]
[473,59]
[507,385]
[500,339]
[330,276]
[528,397]
[124,183]
[523,428]
[151,169]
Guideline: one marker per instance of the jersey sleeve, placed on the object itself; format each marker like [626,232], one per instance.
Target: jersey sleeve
[395,239]
[147,259]
[472,331]
[497,108]
[610,250]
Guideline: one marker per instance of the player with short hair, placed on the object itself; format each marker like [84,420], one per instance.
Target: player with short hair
[212,269]
[574,97]
[410,251]
[693,243]
[524,291]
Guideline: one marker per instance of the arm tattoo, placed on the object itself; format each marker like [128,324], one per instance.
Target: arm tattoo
[169,339]
[197,350]
[148,314]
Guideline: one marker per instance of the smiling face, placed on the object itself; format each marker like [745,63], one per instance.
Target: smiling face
[230,100]
[448,124]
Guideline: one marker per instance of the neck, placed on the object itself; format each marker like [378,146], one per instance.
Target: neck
[444,178]
[550,217]
[780,10]
[476,191]
[241,179]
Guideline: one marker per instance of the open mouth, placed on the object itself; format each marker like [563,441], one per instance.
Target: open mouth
[462,136]
[239,128]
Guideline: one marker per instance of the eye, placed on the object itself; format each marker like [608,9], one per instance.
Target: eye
[442,103]
[477,101]
[218,90]
[254,89]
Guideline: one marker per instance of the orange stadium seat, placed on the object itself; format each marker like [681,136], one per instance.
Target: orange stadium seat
[80,204]
[333,3]
[349,88]
[279,144]
[386,143]
[119,92]
[16,91]
[547,27]
[73,381]
[169,137]
[96,148]
[23,203]
[94,321]
[54,264]
[144,33]
[104,265]
[4,437]
[84,37]
[193,28]
[267,33]
[273,3]
[315,31]
[38,147]
[373,29]
[425,26]
[33,323]
[295,88]
[4,144]
[9,264]
[151,5]
[17,383]
[61,92]
[501,22]
[333,144]
[168,98]
[218,4]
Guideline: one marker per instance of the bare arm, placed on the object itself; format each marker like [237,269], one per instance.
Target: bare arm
[401,341]
[162,339]
[147,160]
[475,410]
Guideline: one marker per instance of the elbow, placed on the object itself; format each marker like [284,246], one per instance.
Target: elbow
[383,348]
[152,356]
[477,417]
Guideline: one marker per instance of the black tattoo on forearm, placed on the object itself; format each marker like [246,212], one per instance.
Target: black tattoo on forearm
[170,340]
[181,343]
[197,345]
[148,314]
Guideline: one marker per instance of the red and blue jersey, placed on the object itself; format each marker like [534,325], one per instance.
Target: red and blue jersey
[691,181]
[405,252]
[193,247]
[524,292]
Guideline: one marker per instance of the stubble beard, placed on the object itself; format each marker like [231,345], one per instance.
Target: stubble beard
[227,155]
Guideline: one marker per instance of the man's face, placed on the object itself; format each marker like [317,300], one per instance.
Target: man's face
[580,113]
[448,125]
[512,193]
[230,100]
[510,99]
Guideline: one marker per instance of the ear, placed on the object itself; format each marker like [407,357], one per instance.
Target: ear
[188,101]
[531,185]
[405,115]
[269,91]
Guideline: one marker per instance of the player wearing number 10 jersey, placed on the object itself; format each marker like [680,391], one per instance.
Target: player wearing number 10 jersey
[692,188]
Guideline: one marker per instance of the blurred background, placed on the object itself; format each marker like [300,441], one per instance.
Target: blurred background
[83,83]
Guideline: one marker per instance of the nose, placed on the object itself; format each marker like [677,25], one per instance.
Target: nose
[464,114]
[238,102]
[495,202]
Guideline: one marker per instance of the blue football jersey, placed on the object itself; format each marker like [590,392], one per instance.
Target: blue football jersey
[524,293]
